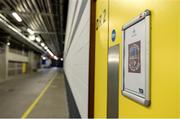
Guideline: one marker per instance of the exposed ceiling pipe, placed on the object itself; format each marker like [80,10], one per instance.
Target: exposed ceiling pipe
[61,23]
[49,10]
[45,16]
[36,22]
[18,35]
[40,17]
[48,37]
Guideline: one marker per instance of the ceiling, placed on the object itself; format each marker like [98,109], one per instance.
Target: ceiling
[47,18]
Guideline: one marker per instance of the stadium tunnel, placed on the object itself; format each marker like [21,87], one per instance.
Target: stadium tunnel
[89,59]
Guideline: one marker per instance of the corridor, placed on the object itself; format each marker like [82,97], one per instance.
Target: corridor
[90,59]
[39,95]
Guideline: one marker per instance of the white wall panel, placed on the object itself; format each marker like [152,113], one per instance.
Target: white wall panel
[76,57]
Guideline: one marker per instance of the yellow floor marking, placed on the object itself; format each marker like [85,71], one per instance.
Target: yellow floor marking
[32,106]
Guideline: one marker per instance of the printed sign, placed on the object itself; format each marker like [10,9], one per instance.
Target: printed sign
[134,57]
[136,51]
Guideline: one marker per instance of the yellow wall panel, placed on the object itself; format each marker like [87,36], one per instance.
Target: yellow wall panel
[179,64]
[164,58]
[101,61]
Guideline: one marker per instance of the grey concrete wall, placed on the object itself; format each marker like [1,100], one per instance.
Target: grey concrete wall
[17,57]
[33,61]
[3,63]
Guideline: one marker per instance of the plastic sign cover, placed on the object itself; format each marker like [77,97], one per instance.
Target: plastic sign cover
[136,36]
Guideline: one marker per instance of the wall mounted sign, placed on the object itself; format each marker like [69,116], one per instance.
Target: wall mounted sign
[113,35]
[136,59]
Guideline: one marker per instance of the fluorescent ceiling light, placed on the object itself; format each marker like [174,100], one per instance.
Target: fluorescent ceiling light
[17,17]
[50,52]
[44,58]
[32,37]
[38,39]
[45,47]
[55,57]
[42,44]
[30,31]
[8,43]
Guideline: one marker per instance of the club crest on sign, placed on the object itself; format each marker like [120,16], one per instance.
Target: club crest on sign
[134,57]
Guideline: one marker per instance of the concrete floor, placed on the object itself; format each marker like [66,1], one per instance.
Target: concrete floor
[16,95]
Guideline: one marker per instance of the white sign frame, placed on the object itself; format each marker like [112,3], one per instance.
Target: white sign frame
[144,94]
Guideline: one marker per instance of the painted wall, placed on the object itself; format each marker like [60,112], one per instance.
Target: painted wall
[101,57]
[17,57]
[7,70]
[76,54]
[179,63]
[33,61]
[165,48]
[3,66]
